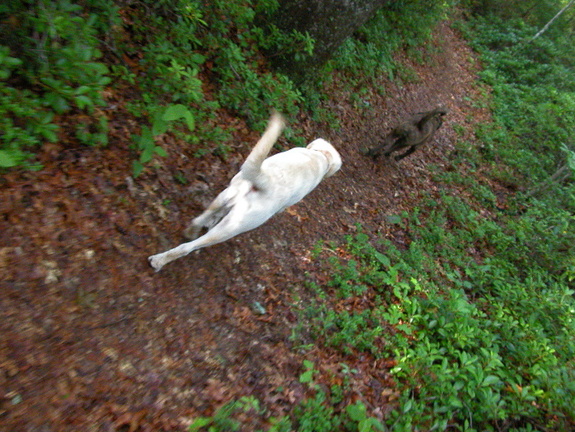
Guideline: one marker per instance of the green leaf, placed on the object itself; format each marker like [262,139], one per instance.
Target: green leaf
[45,117]
[306,377]
[146,140]
[190,121]
[12,61]
[179,111]
[49,132]
[407,406]
[490,380]
[146,155]
[137,168]
[82,89]
[382,259]
[356,412]
[175,112]
[197,58]
[369,424]
[376,424]
[159,127]
[458,385]
[160,151]
[99,68]
[57,102]
[83,101]
[7,160]
[454,402]
[200,423]
[393,219]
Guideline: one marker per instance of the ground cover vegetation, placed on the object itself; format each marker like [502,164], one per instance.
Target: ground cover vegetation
[478,311]
[61,57]
[476,314]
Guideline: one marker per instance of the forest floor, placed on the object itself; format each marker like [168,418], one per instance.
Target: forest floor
[92,339]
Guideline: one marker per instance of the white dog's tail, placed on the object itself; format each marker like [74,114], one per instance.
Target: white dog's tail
[251,167]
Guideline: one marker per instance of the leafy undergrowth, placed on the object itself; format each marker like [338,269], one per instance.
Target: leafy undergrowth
[480,340]
[173,66]
[448,305]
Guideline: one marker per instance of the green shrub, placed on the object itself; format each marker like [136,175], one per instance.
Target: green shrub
[368,54]
[48,66]
[187,34]
[58,70]
[478,309]
[223,420]
[314,415]
[533,98]
[487,344]
[24,126]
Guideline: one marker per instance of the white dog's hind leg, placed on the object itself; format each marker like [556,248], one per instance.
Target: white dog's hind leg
[193,230]
[218,234]
[160,260]
[204,221]
[212,216]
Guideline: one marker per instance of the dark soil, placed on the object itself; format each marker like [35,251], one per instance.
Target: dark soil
[92,339]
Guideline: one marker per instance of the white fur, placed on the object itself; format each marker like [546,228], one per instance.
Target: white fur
[262,188]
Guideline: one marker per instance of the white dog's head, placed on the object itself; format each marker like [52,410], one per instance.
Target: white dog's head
[333,157]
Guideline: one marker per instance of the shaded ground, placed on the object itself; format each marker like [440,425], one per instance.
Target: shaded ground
[92,339]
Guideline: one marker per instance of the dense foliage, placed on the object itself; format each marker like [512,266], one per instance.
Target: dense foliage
[478,313]
[51,63]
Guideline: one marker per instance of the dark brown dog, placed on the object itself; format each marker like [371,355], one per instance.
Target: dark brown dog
[412,133]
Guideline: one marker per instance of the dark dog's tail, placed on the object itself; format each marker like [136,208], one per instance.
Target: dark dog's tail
[251,167]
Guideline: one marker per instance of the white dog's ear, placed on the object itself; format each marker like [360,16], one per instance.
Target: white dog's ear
[333,157]
[334,163]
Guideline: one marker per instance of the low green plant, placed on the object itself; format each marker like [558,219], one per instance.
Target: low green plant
[251,93]
[483,357]
[307,376]
[532,100]
[316,415]
[50,66]
[368,54]
[358,414]
[24,126]
[66,68]
[222,420]
[174,55]
[146,143]
[477,312]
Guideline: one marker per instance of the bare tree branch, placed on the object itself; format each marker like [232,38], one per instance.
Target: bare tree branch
[546,26]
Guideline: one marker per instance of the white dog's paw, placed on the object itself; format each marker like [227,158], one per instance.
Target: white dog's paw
[156,262]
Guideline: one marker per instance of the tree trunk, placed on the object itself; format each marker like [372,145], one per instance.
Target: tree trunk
[328,22]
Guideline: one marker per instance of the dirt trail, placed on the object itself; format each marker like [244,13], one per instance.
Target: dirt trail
[92,339]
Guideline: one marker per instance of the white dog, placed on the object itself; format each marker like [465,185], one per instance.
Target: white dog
[262,188]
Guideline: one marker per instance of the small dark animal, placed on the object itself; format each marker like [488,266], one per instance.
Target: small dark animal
[412,133]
